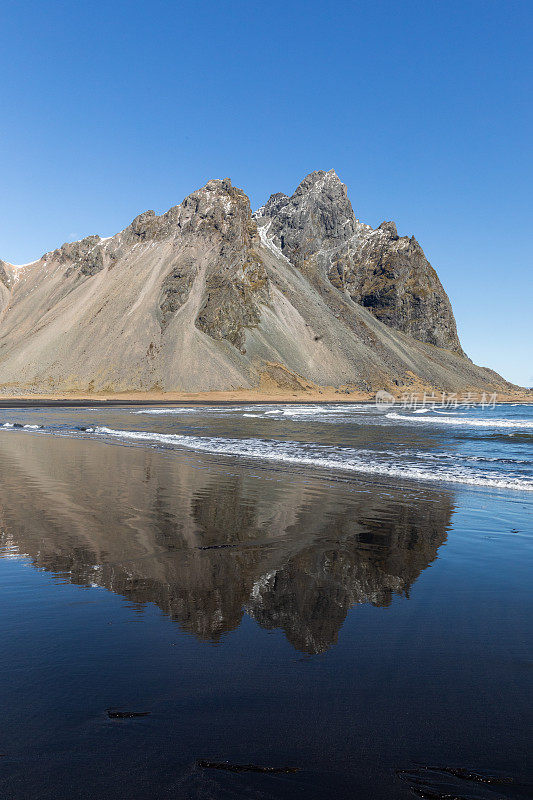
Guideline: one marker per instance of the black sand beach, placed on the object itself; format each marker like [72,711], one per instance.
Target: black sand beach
[186,623]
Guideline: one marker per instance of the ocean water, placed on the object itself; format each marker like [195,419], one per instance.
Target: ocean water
[339,590]
[485,447]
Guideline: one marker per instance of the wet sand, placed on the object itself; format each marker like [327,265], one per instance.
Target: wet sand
[186,624]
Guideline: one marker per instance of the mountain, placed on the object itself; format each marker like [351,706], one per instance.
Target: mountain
[210,297]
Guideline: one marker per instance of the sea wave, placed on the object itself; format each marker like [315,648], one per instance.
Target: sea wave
[324,456]
[8,425]
[296,412]
[347,413]
[409,463]
[517,424]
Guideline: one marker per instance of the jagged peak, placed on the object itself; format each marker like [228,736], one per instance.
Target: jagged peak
[274,203]
[216,192]
[320,186]
[217,200]
[218,206]
[217,185]
[320,180]
[319,206]
[389,227]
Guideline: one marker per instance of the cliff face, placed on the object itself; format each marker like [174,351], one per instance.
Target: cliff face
[317,231]
[209,297]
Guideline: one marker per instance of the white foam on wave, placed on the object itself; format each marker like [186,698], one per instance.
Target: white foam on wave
[324,408]
[296,412]
[474,423]
[8,425]
[345,459]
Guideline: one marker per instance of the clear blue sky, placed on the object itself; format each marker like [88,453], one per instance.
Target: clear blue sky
[423,109]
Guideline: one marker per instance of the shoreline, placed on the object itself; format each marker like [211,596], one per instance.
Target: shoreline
[225,398]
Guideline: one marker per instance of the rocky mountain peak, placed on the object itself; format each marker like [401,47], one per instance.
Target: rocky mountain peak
[218,207]
[213,206]
[319,181]
[390,228]
[273,205]
[217,211]
[217,219]
[318,215]
[316,229]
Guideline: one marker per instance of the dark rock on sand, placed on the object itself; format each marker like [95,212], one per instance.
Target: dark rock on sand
[126,714]
[225,765]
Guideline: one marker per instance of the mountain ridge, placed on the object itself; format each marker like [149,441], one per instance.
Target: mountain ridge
[210,297]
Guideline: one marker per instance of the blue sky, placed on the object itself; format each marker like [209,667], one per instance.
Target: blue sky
[423,109]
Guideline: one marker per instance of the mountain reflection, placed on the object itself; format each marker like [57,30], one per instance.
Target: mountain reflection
[207,542]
